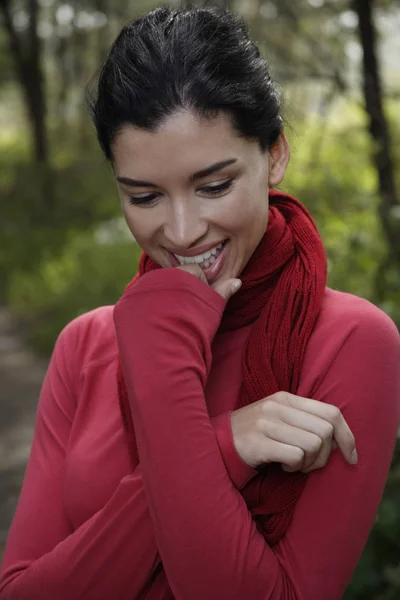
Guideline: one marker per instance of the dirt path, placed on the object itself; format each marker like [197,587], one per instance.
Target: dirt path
[21,375]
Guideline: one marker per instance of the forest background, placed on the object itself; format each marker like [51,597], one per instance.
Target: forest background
[64,248]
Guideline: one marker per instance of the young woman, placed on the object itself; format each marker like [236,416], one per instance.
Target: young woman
[225,431]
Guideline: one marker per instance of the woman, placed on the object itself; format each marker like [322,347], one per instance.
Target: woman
[194,440]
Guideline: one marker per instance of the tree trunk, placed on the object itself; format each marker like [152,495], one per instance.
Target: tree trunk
[29,72]
[379,131]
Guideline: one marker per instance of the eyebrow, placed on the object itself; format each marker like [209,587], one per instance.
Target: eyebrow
[218,166]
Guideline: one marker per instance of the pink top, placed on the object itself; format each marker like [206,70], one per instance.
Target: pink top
[87,528]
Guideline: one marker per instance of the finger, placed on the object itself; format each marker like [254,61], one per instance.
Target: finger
[194,270]
[291,457]
[322,458]
[341,431]
[314,425]
[309,442]
[227,288]
[306,421]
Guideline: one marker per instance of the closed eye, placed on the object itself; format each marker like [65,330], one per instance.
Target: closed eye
[211,190]
[220,188]
[147,200]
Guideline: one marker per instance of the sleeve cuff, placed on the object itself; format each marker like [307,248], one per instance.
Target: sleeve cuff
[239,472]
[175,279]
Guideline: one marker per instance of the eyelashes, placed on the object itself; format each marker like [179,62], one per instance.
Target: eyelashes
[210,190]
[218,189]
[148,200]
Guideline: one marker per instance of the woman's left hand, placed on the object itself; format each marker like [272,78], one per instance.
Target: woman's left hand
[226,288]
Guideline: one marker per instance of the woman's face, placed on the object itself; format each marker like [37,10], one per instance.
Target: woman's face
[194,191]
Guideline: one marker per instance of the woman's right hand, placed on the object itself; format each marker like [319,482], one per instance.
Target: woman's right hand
[297,432]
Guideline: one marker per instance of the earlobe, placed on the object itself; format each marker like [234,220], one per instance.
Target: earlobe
[278,156]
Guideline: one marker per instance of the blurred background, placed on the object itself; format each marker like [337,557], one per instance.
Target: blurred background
[64,248]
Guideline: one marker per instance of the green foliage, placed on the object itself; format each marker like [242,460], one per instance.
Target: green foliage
[62,248]
[92,270]
[331,173]
[43,207]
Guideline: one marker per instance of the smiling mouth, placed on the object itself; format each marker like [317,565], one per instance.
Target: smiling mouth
[211,266]
[204,260]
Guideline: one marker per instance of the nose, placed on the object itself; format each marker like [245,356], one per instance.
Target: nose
[184,226]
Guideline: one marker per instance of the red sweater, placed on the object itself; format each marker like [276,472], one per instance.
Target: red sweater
[87,528]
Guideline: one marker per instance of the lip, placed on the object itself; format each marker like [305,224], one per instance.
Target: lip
[210,272]
[214,270]
[195,251]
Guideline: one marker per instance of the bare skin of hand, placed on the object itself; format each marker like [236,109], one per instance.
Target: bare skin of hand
[225,288]
[297,432]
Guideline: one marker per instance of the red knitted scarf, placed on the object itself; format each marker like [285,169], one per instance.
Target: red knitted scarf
[281,295]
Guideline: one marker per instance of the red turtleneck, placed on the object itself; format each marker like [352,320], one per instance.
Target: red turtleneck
[87,528]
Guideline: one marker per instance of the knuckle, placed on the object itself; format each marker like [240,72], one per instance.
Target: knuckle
[297,457]
[327,430]
[269,406]
[334,414]
[280,397]
[260,424]
[315,444]
[265,404]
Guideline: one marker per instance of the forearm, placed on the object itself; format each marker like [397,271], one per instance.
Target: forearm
[208,542]
[113,554]
[209,545]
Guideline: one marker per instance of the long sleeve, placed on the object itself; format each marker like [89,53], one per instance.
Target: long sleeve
[112,555]
[209,545]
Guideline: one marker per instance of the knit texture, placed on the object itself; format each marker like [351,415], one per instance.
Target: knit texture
[281,296]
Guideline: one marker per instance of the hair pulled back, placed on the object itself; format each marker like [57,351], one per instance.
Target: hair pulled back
[199,59]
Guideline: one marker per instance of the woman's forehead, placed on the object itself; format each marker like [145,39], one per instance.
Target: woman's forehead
[185,141]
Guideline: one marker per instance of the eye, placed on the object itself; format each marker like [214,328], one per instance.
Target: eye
[148,200]
[220,188]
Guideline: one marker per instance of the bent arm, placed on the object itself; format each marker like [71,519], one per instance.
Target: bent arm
[114,552]
[209,545]
[111,555]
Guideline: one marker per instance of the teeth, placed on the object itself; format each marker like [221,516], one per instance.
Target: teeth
[204,260]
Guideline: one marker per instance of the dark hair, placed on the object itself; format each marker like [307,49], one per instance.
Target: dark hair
[200,59]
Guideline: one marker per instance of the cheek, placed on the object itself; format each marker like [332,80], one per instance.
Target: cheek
[248,213]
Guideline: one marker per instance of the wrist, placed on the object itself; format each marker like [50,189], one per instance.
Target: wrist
[178,280]
[239,472]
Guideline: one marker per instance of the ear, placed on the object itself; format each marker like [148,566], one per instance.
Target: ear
[278,160]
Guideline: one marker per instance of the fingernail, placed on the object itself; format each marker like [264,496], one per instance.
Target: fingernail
[354,457]
[236,285]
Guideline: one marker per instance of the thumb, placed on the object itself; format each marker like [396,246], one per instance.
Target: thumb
[228,288]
